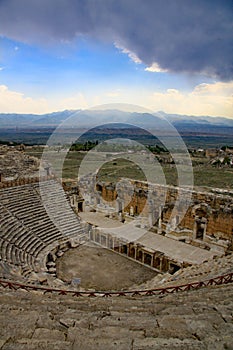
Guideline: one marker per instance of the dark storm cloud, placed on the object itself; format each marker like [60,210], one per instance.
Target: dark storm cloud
[182,35]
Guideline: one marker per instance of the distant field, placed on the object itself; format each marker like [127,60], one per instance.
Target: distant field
[207,141]
[41,136]
[205,175]
[28,137]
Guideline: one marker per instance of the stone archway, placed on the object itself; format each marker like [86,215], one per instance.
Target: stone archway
[80,206]
[132,251]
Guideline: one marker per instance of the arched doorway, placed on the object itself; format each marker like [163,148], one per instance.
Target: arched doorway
[139,255]
[132,252]
[147,259]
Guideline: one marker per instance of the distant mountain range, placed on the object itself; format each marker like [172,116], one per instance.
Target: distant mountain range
[8,120]
[88,118]
[189,119]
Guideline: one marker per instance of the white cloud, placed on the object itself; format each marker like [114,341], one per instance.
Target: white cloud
[131,54]
[1,68]
[16,102]
[155,68]
[206,99]
[12,101]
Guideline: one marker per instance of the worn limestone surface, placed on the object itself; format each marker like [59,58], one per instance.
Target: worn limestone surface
[199,319]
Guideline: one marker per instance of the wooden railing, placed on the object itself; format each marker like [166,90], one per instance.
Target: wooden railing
[219,280]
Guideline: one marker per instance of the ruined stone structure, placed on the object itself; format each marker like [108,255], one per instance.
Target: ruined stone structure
[208,221]
[145,231]
[75,198]
[160,253]
[31,240]
[15,164]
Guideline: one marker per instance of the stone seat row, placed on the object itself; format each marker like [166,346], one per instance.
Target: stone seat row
[44,231]
[31,241]
[29,214]
[27,229]
[189,320]
[24,240]
[13,255]
[43,228]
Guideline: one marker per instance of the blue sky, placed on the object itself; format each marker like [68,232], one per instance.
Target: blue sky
[47,64]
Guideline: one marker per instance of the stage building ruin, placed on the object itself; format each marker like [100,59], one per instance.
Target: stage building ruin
[144,231]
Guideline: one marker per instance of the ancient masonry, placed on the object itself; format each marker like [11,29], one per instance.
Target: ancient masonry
[209,217]
[205,231]
[15,164]
[34,230]
[41,312]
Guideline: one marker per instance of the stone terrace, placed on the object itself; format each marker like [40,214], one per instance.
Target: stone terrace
[200,319]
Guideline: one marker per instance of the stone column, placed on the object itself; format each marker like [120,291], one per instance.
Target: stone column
[113,242]
[119,205]
[150,216]
[131,211]
[75,201]
[94,232]
[204,226]
[161,264]
[97,198]
[152,260]
[119,246]
[195,228]
[160,220]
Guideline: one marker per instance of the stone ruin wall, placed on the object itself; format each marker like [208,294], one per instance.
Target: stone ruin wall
[15,164]
[214,212]
[24,181]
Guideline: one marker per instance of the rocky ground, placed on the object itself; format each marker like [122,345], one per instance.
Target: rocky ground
[15,163]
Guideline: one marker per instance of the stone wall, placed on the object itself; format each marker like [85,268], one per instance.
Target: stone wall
[209,217]
[154,259]
[15,163]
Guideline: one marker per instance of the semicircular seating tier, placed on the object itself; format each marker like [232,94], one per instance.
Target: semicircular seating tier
[28,231]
